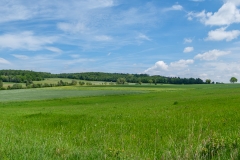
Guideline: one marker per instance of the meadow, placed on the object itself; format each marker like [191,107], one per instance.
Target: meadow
[121,122]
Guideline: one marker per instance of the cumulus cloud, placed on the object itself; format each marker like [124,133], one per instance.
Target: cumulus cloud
[226,15]
[221,34]
[188,49]
[4,61]
[211,55]
[24,40]
[160,65]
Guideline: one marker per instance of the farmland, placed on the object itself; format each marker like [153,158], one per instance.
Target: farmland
[121,122]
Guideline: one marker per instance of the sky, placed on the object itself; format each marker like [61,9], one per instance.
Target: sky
[184,38]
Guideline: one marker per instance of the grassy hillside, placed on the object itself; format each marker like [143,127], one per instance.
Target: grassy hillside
[163,122]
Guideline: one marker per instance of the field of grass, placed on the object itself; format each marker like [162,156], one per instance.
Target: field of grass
[121,122]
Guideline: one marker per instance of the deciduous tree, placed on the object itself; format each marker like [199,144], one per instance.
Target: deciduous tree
[233,79]
[208,81]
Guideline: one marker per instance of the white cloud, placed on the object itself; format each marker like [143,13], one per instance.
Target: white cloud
[221,34]
[4,61]
[211,55]
[92,4]
[12,11]
[160,65]
[200,15]
[188,49]
[103,38]
[54,49]
[162,68]
[75,55]
[72,27]
[24,40]
[143,37]
[236,2]
[188,40]
[175,7]
[226,15]
[181,64]
[19,56]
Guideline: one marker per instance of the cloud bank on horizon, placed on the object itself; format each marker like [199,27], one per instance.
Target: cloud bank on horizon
[193,38]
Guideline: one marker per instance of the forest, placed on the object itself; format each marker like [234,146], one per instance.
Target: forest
[26,76]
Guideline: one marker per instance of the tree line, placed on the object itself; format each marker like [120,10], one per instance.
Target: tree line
[25,76]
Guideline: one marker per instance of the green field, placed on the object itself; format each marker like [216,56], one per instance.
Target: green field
[121,122]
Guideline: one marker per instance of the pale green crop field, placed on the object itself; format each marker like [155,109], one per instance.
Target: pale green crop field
[56,80]
[57,93]
[121,122]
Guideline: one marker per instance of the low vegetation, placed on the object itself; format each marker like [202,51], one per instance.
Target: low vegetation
[121,122]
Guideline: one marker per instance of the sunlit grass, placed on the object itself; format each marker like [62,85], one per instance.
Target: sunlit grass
[189,122]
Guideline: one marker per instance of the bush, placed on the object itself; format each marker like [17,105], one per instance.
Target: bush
[89,83]
[16,86]
[81,83]
[74,82]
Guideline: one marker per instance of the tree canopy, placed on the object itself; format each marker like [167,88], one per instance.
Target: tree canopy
[208,81]
[233,79]
[24,76]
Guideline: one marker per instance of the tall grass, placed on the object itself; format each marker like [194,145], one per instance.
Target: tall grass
[188,123]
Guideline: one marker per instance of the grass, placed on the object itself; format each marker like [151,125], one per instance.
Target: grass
[56,93]
[163,122]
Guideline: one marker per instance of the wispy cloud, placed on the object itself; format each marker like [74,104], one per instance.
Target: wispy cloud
[25,40]
[211,55]
[12,11]
[181,64]
[73,27]
[54,49]
[103,38]
[141,36]
[19,56]
[175,7]
[4,61]
[188,40]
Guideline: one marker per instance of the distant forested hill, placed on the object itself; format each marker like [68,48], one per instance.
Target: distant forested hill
[23,76]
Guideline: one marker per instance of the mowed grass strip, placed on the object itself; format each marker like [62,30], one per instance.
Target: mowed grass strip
[200,123]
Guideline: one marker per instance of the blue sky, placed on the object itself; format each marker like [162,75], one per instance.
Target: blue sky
[185,38]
